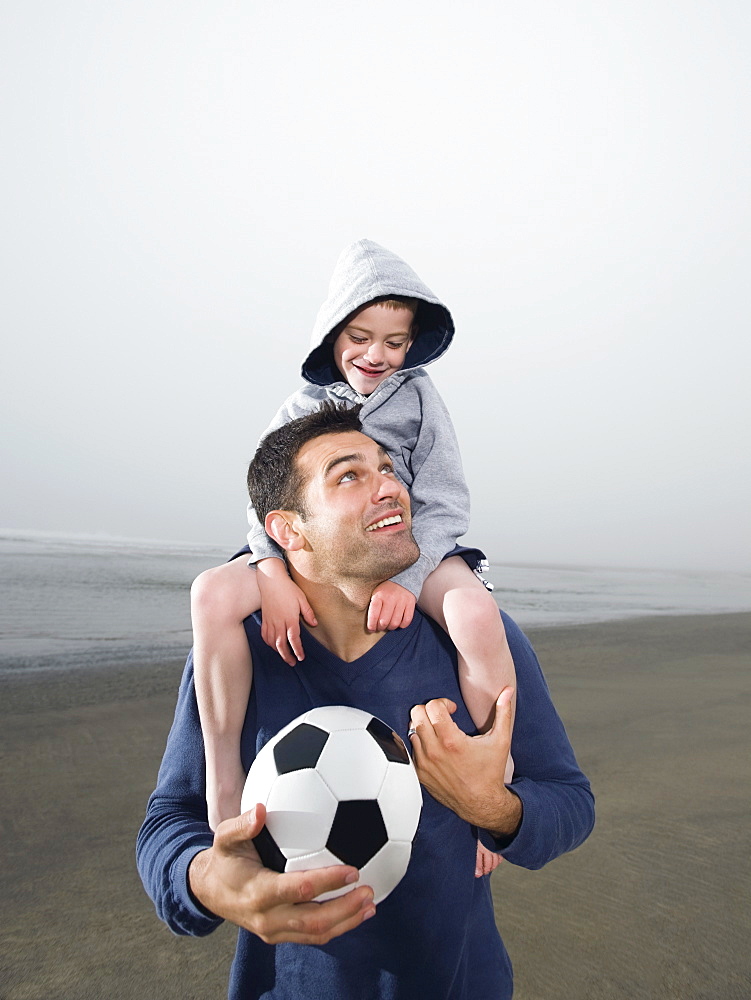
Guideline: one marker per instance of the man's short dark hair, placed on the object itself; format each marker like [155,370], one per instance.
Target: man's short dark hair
[274,480]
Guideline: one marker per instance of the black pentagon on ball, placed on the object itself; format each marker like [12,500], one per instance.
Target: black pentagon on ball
[268,852]
[357,833]
[299,749]
[388,741]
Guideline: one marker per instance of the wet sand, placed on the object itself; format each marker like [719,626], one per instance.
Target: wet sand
[655,904]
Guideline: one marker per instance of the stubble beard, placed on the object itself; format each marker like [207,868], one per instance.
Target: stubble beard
[364,564]
[385,565]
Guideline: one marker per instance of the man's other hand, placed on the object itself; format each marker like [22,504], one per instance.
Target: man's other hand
[464,772]
[229,880]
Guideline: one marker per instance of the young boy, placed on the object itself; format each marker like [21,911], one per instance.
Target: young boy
[379,325]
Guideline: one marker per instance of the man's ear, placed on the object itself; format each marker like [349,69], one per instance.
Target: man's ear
[281,526]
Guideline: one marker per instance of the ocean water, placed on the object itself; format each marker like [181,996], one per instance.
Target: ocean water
[539,596]
[73,602]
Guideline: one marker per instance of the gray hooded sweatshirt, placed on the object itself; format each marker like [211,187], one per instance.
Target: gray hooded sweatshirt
[404,414]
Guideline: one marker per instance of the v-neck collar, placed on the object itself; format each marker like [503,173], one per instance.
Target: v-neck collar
[376,662]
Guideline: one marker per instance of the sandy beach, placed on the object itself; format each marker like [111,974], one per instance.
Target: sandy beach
[655,904]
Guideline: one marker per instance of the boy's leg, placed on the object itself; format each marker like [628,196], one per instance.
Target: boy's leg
[220,599]
[454,597]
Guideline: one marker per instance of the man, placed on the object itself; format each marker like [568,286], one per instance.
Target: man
[328,496]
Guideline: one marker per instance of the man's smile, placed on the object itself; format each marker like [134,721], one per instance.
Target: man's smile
[385,522]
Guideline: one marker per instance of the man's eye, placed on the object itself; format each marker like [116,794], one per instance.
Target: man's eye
[387,469]
[347,477]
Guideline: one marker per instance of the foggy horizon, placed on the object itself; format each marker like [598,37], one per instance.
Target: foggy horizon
[223,550]
[572,182]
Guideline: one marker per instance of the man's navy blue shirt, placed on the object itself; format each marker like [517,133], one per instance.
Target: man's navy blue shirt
[434,936]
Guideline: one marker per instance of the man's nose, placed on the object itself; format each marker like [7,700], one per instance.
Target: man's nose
[387,487]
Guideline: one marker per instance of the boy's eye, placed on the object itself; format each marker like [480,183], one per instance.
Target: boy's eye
[395,347]
[356,340]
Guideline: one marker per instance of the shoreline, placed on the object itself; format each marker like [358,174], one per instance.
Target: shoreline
[104,658]
[652,905]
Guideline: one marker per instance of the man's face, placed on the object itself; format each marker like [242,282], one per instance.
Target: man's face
[373,345]
[358,522]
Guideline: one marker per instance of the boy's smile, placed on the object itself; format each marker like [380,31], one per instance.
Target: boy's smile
[373,345]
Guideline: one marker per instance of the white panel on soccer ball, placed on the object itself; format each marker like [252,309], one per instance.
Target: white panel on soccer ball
[260,778]
[337,717]
[321,859]
[384,871]
[300,811]
[335,765]
[400,800]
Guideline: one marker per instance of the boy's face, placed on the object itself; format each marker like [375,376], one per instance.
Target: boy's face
[373,345]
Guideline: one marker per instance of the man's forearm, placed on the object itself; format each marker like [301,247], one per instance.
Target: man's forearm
[463,772]
[505,819]
[196,878]
[499,811]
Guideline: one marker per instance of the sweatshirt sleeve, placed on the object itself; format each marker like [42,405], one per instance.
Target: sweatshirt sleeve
[261,546]
[440,497]
[176,827]
[557,802]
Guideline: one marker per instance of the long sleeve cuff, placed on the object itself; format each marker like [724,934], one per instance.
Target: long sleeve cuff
[556,818]
[414,576]
[261,547]
[187,916]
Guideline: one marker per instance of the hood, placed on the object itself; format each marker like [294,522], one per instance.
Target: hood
[367,271]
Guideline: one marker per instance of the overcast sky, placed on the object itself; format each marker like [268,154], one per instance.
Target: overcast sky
[571,178]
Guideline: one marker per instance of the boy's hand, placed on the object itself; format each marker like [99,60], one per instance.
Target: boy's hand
[282,603]
[391,606]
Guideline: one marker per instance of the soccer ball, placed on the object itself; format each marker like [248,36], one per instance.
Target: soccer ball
[339,788]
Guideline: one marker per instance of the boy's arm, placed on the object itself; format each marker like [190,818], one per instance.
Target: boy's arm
[303,401]
[282,601]
[261,546]
[439,493]
[282,605]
